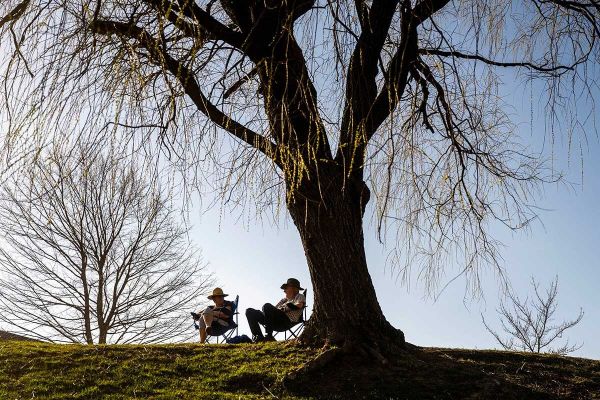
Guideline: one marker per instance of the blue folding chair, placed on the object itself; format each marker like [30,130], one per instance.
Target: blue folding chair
[233,327]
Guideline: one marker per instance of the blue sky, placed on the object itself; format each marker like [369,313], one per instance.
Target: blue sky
[253,259]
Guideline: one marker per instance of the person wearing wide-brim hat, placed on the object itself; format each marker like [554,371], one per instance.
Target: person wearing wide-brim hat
[278,317]
[217,292]
[215,320]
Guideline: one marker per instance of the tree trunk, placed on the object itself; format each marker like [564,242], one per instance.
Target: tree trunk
[346,310]
[87,314]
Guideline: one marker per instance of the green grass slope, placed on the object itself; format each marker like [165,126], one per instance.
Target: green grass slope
[189,371]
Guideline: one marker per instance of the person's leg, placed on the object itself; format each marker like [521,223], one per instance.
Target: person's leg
[217,329]
[207,316]
[255,318]
[202,329]
[281,322]
[206,321]
[275,319]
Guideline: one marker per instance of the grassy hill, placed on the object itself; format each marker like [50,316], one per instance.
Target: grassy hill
[263,371]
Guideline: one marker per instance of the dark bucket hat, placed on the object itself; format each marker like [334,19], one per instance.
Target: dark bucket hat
[292,282]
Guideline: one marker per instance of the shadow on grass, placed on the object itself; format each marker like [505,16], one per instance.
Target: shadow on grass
[452,374]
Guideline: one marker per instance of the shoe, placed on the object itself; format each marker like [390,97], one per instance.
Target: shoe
[258,339]
[195,316]
[269,338]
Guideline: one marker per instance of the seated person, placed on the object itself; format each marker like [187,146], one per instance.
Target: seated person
[215,320]
[280,317]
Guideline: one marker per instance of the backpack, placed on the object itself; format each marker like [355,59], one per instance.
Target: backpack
[239,339]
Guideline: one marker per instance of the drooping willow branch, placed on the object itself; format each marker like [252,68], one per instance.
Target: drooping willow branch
[188,81]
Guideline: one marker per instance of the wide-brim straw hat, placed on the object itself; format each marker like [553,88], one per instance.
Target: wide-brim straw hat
[217,292]
[292,282]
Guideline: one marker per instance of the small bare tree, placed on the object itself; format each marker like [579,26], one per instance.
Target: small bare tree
[528,325]
[92,253]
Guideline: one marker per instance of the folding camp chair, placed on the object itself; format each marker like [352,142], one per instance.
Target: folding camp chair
[296,328]
[234,325]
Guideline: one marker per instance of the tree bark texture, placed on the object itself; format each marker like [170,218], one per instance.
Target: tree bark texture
[329,219]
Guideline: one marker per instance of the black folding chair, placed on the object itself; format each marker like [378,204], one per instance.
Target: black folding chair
[233,327]
[297,327]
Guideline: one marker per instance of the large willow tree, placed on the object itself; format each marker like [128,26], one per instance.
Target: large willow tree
[320,106]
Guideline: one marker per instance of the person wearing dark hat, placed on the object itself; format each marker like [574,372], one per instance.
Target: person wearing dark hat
[215,320]
[278,317]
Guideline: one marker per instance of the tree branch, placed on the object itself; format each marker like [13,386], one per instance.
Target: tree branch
[361,87]
[458,54]
[15,13]
[426,8]
[188,8]
[396,76]
[186,78]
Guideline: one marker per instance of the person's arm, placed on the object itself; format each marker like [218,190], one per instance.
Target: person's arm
[297,303]
[299,300]
[222,312]
[281,304]
[226,311]
[208,310]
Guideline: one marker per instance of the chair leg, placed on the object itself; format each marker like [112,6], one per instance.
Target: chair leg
[294,332]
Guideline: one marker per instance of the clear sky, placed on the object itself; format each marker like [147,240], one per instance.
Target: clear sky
[253,259]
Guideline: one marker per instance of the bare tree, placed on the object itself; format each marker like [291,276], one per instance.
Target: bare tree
[317,107]
[530,324]
[91,252]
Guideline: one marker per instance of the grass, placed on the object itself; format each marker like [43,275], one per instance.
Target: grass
[189,371]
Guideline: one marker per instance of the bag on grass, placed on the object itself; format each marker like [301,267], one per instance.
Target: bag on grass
[239,339]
